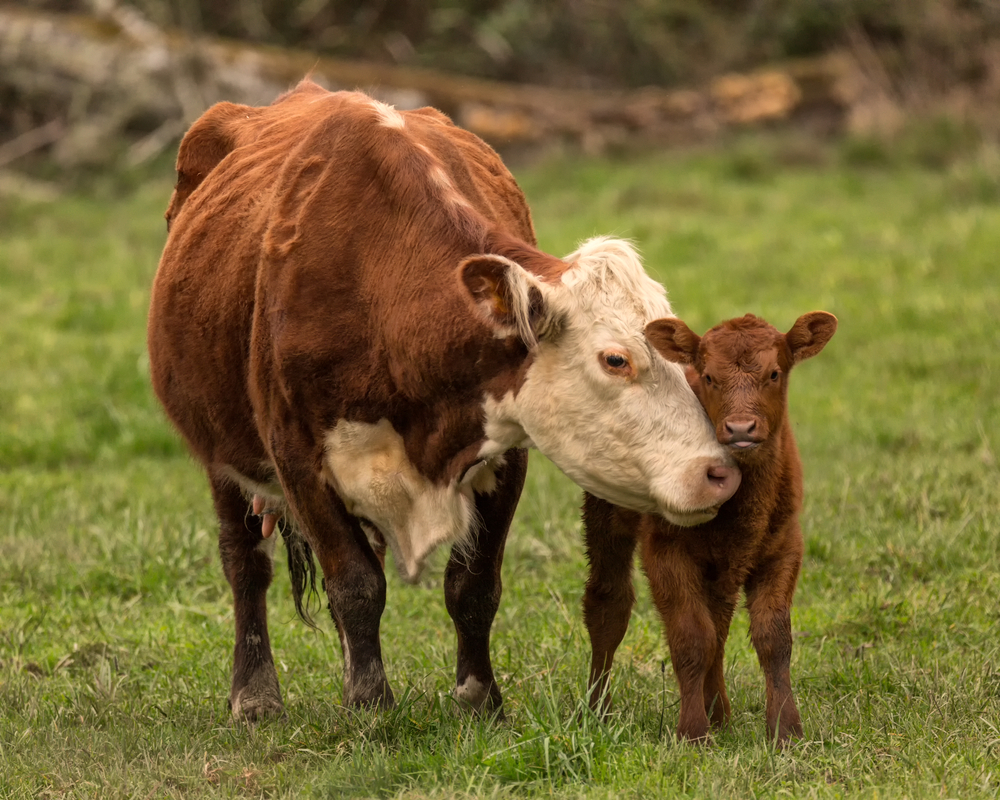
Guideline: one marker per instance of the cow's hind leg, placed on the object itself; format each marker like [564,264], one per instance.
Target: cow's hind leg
[472,588]
[247,560]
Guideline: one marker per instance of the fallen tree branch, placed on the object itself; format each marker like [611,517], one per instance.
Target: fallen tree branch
[30,141]
[118,72]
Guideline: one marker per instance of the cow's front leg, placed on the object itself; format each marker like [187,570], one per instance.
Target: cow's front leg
[352,576]
[247,563]
[472,588]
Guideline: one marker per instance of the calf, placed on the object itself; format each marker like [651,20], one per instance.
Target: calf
[739,371]
[354,331]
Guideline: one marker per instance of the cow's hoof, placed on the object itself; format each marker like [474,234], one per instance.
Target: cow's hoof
[247,707]
[475,697]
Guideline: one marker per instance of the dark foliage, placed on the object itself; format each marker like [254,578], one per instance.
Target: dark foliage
[600,43]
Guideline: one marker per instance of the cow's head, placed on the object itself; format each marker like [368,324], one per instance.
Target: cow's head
[595,396]
[739,370]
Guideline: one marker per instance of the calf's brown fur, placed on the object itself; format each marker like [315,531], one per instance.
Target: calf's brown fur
[739,370]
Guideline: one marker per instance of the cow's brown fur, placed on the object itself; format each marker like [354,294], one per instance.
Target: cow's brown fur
[739,370]
[310,276]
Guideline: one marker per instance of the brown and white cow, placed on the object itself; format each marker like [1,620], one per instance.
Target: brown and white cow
[353,329]
[739,370]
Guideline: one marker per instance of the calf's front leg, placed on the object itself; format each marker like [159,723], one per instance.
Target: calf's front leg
[769,600]
[717,704]
[675,583]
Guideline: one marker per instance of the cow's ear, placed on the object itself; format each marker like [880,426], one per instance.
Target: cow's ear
[674,340]
[809,334]
[210,139]
[510,298]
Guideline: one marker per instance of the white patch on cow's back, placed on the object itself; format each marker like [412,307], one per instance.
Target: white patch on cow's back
[449,193]
[366,464]
[389,116]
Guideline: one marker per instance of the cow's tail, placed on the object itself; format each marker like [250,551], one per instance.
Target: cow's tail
[301,571]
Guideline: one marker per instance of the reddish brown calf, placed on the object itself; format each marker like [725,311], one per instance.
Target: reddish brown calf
[739,370]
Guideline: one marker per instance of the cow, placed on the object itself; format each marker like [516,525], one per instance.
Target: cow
[739,371]
[354,331]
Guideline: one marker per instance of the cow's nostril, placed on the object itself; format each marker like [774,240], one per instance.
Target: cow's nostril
[725,480]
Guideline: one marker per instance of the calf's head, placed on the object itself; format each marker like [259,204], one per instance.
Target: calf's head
[739,371]
[595,397]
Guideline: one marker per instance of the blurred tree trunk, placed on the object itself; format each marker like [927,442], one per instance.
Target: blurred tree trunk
[117,74]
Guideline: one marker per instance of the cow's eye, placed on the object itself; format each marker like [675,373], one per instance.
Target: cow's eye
[617,363]
[708,380]
[774,375]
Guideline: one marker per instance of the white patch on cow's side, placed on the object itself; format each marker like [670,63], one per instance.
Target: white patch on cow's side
[644,443]
[366,464]
[389,116]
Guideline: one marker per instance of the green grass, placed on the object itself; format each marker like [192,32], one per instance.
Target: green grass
[116,623]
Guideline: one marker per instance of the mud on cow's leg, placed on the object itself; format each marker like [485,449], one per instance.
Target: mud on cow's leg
[248,564]
[472,588]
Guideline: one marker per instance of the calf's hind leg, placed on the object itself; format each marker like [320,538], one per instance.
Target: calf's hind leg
[247,560]
[472,588]
[610,536]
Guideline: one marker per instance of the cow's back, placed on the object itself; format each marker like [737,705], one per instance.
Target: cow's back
[311,243]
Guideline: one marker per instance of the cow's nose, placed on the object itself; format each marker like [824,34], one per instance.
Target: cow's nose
[739,428]
[724,481]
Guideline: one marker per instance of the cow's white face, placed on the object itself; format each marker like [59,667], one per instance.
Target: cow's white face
[607,409]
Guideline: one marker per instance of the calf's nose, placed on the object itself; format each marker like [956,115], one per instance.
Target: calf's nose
[740,427]
[723,481]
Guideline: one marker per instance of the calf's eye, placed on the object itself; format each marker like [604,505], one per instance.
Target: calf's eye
[708,380]
[774,375]
[615,360]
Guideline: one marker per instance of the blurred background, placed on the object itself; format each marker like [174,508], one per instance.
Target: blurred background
[86,82]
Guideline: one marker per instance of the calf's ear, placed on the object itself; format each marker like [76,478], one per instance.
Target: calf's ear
[674,340]
[508,297]
[809,334]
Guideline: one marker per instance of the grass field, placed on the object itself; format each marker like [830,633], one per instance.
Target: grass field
[116,623]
